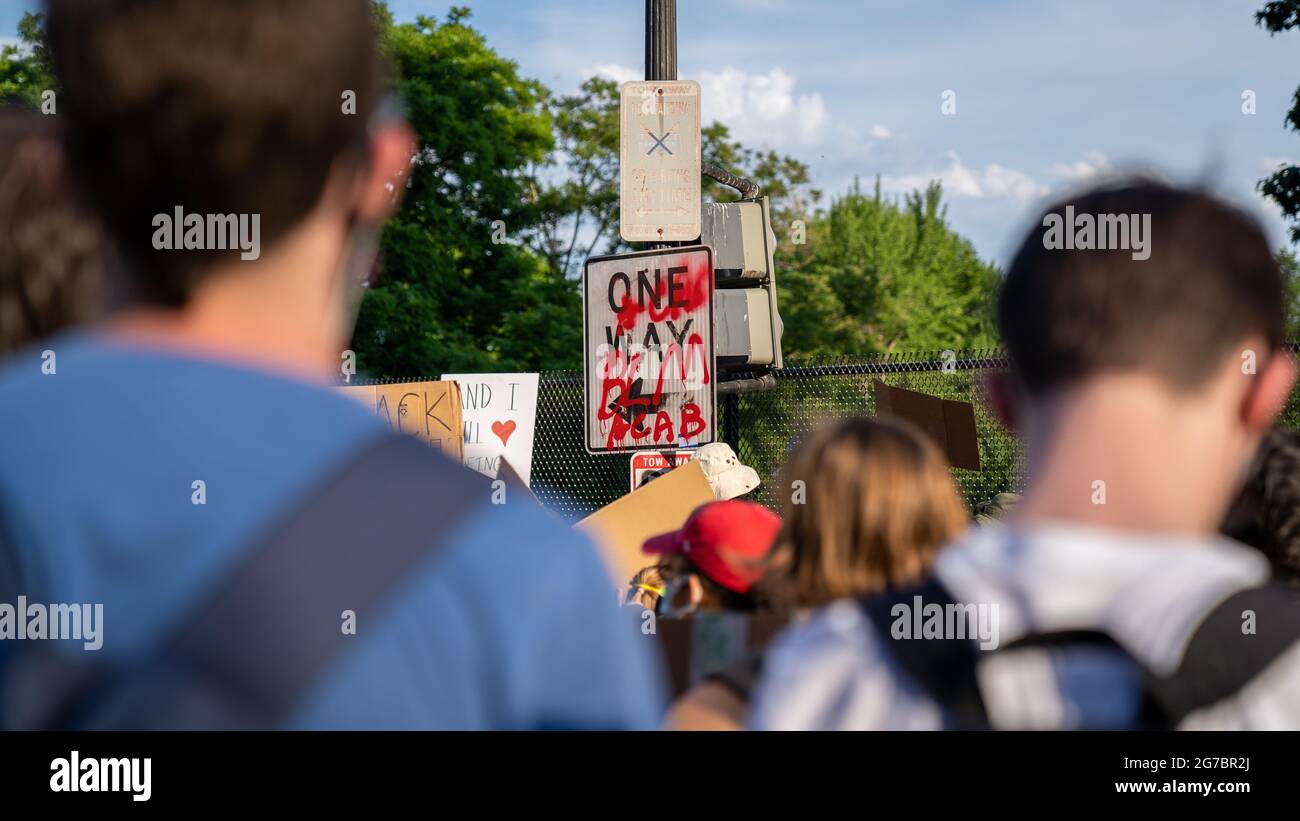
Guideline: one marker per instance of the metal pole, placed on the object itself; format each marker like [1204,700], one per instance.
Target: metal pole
[731,421]
[661,39]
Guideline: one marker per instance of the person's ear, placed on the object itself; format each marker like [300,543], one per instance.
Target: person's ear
[1268,392]
[1000,387]
[392,146]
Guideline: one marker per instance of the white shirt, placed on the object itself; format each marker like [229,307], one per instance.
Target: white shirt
[1149,593]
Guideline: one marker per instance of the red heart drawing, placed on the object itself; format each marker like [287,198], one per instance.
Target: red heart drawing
[503,430]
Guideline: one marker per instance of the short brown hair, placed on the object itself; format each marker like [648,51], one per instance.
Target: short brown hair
[875,505]
[1210,282]
[52,254]
[231,107]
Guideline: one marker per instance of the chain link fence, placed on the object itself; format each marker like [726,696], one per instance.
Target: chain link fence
[765,426]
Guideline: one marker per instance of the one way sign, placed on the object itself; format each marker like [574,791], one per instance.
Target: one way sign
[659,161]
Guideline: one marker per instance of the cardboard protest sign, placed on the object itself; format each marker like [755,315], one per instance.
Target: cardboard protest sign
[427,410]
[500,414]
[948,422]
[621,527]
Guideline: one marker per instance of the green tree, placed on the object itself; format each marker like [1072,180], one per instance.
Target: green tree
[879,275]
[1283,185]
[513,188]
[1290,264]
[25,69]
[579,206]
[580,210]
[461,290]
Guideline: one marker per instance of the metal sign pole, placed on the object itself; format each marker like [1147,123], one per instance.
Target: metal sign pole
[661,39]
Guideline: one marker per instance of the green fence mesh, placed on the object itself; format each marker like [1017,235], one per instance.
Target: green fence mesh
[765,426]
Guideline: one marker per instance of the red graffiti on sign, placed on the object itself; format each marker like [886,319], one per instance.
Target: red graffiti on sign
[668,294]
[627,408]
[649,352]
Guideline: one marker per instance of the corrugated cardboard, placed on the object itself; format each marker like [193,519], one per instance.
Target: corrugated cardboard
[949,423]
[621,527]
[428,410]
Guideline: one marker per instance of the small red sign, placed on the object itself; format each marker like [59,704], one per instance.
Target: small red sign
[648,464]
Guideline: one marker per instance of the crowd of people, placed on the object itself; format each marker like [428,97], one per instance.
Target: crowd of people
[172,452]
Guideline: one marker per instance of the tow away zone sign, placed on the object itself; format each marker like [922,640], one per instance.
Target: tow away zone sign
[659,161]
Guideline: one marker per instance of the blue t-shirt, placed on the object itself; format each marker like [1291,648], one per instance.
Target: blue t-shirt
[512,623]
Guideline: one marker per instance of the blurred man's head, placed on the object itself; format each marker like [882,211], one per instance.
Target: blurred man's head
[245,108]
[1162,302]
[1208,285]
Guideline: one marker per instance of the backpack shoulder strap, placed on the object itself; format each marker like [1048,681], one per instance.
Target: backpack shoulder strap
[1221,657]
[268,630]
[1234,643]
[944,668]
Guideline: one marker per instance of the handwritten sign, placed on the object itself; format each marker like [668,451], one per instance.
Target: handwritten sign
[500,414]
[427,410]
[648,350]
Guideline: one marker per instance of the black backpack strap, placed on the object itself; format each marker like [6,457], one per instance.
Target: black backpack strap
[266,633]
[1219,661]
[944,668]
[1222,657]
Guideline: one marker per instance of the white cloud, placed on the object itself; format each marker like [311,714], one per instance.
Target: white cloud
[759,109]
[1094,165]
[763,109]
[959,180]
[614,71]
[879,132]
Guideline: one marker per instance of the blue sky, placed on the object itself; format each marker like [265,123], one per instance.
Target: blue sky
[1048,92]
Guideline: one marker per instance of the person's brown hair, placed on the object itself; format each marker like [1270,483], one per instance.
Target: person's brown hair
[645,588]
[1210,282]
[231,107]
[1266,514]
[52,254]
[869,502]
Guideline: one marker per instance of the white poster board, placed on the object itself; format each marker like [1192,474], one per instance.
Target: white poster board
[500,418]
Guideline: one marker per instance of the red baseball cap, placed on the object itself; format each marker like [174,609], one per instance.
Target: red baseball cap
[728,542]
